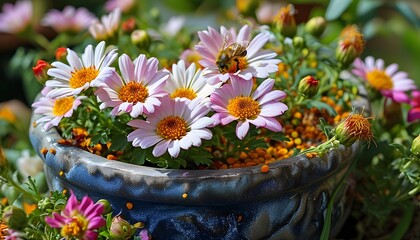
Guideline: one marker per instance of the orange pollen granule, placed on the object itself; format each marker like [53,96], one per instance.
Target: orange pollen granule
[379,80]
[75,228]
[82,76]
[133,92]
[184,93]
[243,107]
[359,127]
[172,127]
[62,106]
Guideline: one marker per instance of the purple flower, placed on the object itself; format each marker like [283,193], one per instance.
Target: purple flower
[235,101]
[78,220]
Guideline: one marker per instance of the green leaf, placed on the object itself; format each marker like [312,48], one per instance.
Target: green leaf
[119,142]
[321,105]
[336,8]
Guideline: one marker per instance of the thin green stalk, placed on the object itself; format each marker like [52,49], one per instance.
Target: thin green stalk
[404,223]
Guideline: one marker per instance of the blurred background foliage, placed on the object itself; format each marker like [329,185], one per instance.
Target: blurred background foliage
[391,28]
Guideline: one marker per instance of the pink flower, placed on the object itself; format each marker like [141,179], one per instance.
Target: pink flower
[139,89]
[230,55]
[235,101]
[16,18]
[414,112]
[124,5]
[70,19]
[78,220]
[388,81]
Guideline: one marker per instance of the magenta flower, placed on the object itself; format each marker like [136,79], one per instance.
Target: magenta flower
[388,81]
[78,220]
[414,112]
[235,101]
[70,19]
[139,89]
[16,18]
[230,55]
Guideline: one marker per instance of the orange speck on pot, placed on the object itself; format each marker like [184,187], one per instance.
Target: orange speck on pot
[34,124]
[64,192]
[53,151]
[111,157]
[61,173]
[129,205]
[265,168]
[184,195]
[44,151]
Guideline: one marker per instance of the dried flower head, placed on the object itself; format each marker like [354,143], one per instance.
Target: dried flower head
[354,127]
[350,46]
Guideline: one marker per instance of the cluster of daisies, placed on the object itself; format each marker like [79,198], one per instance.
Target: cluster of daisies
[170,109]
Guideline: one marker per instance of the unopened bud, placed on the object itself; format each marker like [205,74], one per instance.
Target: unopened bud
[61,54]
[129,25]
[298,42]
[141,39]
[106,204]
[285,21]
[45,205]
[14,217]
[308,86]
[121,229]
[415,146]
[40,71]
[316,26]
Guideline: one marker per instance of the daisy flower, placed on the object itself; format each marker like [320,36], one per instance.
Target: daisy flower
[235,101]
[16,18]
[70,19]
[107,27]
[53,110]
[139,89]
[229,55]
[80,74]
[174,125]
[187,83]
[388,81]
[78,220]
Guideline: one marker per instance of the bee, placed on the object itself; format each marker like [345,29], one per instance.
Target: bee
[231,58]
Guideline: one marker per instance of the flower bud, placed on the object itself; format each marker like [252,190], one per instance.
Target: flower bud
[316,26]
[141,39]
[298,42]
[354,127]
[14,217]
[106,204]
[45,205]
[285,21]
[129,25]
[350,45]
[61,54]
[415,146]
[121,229]
[40,71]
[308,86]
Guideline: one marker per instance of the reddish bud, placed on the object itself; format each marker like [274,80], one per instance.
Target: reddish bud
[40,71]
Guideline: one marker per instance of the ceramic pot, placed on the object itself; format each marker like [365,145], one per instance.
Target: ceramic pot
[287,202]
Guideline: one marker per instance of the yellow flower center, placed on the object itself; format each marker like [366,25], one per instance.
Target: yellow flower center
[62,105]
[75,229]
[133,92]
[82,76]
[379,80]
[243,108]
[184,93]
[172,127]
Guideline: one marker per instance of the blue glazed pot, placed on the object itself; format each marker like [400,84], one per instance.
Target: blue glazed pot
[287,202]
